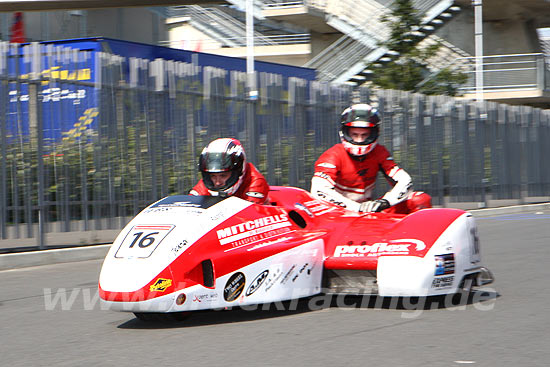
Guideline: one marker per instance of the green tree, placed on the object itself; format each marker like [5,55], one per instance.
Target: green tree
[409,69]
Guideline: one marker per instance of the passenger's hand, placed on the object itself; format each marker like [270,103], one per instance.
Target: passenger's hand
[374,206]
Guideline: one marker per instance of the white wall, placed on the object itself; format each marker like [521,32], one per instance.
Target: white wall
[183,36]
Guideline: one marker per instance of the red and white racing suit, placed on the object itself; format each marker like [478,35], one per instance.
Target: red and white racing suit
[253,186]
[348,180]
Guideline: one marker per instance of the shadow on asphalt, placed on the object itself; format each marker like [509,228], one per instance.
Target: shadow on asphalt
[310,304]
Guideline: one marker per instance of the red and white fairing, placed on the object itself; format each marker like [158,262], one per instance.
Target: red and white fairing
[255,252]
[188,253]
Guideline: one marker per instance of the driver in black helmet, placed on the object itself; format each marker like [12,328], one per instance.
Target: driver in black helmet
[225,172]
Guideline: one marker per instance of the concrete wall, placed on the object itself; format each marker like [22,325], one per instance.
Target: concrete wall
[509,37]
[295,55]
[509,26]
[130,24]
[500,36]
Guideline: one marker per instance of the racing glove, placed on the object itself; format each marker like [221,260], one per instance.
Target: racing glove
[374,206]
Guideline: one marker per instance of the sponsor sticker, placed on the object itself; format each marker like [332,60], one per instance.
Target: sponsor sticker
[394,247]
[302,269]
[444,264]
[318,207]
[207,297]
[268,243]
[311,268]
[176,249]
[234,287]
[253,227]
[288,274]
[275,274]
[443,282]
[257,283]
[257,230]
[217,216]
[160,285]
[156,210]
[260,238]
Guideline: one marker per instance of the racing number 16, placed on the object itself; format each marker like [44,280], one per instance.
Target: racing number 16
[145,241]
[142,240]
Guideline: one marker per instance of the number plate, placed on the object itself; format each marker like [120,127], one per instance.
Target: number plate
[142,240]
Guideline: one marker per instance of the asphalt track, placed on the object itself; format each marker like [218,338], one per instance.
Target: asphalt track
[505,325]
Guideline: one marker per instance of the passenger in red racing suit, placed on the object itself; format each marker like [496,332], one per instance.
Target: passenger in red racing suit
[225,172]
[346,173]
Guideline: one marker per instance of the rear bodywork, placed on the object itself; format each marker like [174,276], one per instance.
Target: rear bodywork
[188,253]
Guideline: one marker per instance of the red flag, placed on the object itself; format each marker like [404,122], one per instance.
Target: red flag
[17,33]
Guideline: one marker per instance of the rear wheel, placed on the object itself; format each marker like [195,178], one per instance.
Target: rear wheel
[162,317]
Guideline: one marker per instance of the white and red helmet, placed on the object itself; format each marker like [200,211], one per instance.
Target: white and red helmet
[364,116]
[223,155]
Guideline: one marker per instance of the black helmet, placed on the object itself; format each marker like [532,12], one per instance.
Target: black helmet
[364,116]
[223,155]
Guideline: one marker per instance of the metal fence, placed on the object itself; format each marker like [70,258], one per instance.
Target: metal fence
[88,140]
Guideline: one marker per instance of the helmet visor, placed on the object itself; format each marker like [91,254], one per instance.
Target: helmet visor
[360,135]
[360,118]
[216,162]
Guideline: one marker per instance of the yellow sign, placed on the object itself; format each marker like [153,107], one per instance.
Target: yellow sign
[56,72]
[160,285]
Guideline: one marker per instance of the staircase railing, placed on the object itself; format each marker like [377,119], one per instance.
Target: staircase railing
[511,72]
[363,19]
[365,14]
[339,56]
[227,27]
[285,39]
[447,56]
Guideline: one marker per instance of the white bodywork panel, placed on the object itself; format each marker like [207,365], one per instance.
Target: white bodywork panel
[431,275]
[287,275]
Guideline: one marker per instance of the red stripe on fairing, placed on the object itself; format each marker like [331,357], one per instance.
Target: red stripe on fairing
[154,228]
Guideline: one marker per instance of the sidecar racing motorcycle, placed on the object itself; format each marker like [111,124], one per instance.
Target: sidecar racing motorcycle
[186,253]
